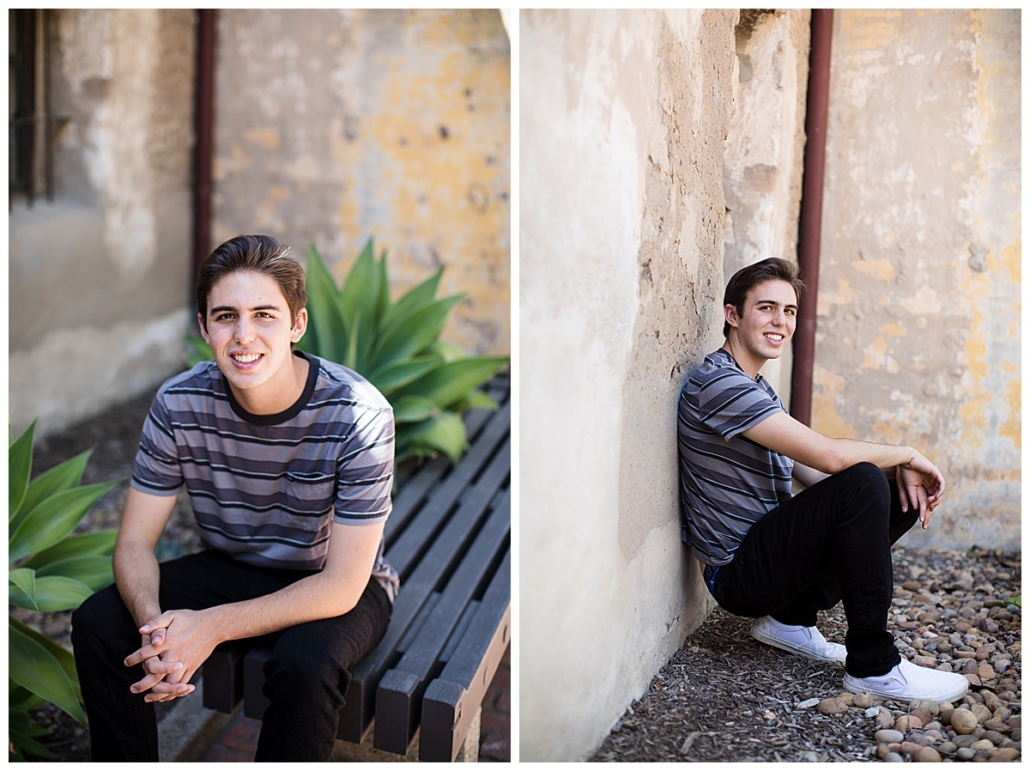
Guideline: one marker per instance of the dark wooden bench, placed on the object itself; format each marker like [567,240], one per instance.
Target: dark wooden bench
[449,539]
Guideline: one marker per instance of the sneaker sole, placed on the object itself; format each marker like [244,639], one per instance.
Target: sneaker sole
[786,646]
[851,685]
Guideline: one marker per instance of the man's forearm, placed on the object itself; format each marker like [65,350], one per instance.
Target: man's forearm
[138,578]
[848,452]
[309,599]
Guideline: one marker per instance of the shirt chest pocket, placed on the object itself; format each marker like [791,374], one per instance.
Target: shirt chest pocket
[308,495]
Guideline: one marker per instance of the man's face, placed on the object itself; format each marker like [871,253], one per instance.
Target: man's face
[249,329]
[769,319]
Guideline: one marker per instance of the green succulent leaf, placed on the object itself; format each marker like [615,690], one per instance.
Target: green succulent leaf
[448,351]
[24,581]
[21,699]
[476,400]
[383,294]
[327,330]
[99,543]
[52,594]
[53,519]
[412,334]
[19,470]
[412,409]
[443,432]
[61,477]
[450,382]
[198,351]
[413,299]
[46,669]
[93,572]
[390,377]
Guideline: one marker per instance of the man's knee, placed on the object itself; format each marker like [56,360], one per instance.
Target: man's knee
[101,614]
[867,483]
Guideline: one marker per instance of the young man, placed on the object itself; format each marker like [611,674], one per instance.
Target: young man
[781,558]
[288,462]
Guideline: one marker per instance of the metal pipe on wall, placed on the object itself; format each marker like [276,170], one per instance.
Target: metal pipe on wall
[204,127]
[810,225]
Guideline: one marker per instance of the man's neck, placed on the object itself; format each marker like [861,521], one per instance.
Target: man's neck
[750,364]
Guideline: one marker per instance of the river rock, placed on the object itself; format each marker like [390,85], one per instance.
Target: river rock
[1006,754]
[926,755]
[963,721]
[887,736]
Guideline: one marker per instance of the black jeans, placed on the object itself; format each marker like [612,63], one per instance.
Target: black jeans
[307,674]
[829,543]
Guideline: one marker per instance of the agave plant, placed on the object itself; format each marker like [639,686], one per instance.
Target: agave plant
[396,345]
[48,570]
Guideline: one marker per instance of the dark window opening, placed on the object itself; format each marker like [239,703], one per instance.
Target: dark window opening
[31,126]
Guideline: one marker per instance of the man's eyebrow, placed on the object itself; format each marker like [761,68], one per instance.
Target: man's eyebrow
[220,308]
[773,302]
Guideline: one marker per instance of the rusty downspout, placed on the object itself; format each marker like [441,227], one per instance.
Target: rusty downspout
[204,127]
[810,225]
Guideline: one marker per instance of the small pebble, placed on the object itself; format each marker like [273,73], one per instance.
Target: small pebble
[964,753]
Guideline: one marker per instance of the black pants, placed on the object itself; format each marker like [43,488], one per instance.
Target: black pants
[307,674]
[829,543]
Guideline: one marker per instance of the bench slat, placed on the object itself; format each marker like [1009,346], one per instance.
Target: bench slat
[400,690]
[356,716]
[450,702]
[404,552]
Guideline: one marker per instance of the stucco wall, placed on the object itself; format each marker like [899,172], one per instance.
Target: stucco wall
[100,277]
[624,124]
[919,309]
[337,125]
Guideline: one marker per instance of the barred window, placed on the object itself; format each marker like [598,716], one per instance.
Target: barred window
[31,125]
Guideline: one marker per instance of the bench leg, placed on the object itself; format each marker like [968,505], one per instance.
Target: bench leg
[469,752]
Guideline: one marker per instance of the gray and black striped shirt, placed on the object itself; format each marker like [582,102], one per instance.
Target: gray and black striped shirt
[266,489]
[727,482]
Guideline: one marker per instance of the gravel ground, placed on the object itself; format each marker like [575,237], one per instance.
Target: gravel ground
[725,696]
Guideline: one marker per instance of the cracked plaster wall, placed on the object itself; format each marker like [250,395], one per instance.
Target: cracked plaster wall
[100,277]
[625,122]
[918,336]
[337,125]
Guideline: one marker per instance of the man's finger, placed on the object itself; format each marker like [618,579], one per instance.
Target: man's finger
[146,683]
[144,653]
[156,666]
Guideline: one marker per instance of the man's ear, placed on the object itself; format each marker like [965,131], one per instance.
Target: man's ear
[300,325]
[203,328]
[729,312]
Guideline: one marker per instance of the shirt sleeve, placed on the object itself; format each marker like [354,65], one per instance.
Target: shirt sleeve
[364,479]
[731,403]
[157,470]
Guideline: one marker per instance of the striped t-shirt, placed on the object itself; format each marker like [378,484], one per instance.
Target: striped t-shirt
[727,482]
[266,489]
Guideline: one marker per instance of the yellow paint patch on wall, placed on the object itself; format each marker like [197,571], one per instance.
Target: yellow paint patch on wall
[264,137]
[1012,427]
[876,357]
[893,330]
[828,300]
[828,390]
[1011,257]
[869,30]
[881,270]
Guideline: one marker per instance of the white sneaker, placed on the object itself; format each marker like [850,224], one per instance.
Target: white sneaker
[908,681]
[804,641]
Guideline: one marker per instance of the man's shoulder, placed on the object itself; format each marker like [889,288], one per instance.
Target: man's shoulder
[335,381]
[717,371]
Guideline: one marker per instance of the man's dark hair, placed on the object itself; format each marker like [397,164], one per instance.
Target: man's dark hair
[769,269]
[260,254]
